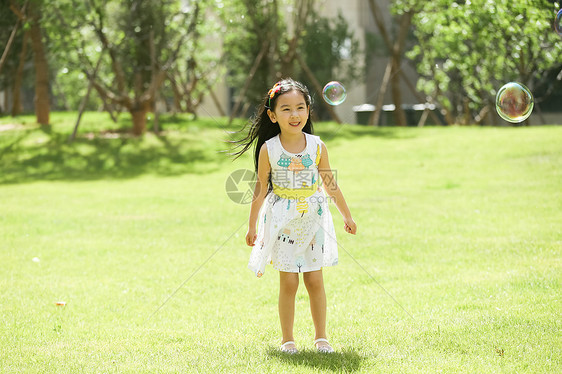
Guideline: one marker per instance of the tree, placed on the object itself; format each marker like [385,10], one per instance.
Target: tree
[17,106]
[268,40]
[395,44]
[7,21]
[11,30]
[197,67]
[143,40]
[468,50]
[130,34]
[29,14]
[331,52]
[251,32]
[42,104]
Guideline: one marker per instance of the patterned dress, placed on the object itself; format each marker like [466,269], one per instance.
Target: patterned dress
[295,228]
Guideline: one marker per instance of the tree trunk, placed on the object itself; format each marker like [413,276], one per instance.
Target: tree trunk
[421,98]
[482,115]
[222,113]
[17,107]
[399,115]
[177,95]
[109,109]
[317,88]
[467,117]
[6,101]
[138,114]
[85,98]
[423,117]
[374,118]
[251,74]
[396,50]
[9,45]
[156,96]
[16,104]
[41,71]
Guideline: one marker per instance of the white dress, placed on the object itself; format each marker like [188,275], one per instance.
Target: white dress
[295,228]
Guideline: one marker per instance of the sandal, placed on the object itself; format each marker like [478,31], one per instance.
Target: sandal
[325,348]
[291,350]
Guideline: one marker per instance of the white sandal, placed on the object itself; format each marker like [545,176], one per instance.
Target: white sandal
[291,350]
[325,348]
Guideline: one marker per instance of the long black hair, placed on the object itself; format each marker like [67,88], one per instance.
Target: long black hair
[261,127]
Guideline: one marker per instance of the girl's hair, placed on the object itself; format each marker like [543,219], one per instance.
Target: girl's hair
[261,127]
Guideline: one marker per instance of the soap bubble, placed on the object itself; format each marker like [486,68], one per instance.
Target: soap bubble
[334,93]
[514,102]
[558,22]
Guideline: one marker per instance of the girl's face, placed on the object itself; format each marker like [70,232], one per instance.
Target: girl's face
[291,112]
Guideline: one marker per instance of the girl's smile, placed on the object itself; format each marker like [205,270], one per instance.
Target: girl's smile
[291,112]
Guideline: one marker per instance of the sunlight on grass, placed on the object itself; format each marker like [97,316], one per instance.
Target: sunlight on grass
[462,226]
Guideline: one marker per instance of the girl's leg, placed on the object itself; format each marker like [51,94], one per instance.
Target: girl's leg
[314,282]
[288,285]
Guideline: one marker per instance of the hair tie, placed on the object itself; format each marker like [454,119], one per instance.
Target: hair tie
[272,92]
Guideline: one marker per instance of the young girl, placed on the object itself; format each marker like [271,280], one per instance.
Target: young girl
[296,232]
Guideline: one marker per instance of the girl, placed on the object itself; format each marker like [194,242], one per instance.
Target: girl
[296,232]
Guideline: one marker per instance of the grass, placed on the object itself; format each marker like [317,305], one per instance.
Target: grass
[461,226]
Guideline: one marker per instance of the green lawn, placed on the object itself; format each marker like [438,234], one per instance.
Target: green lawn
[461,226]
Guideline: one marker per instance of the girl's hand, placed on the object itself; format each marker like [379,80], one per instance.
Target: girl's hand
[251,237]
[349,225]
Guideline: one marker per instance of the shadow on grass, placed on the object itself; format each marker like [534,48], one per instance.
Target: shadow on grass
[341,361]
[41,154]
[13,143]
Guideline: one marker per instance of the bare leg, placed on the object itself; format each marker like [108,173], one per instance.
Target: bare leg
[314,282]
[288,285]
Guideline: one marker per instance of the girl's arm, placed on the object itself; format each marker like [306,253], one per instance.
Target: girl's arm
[260,192]
[333,190]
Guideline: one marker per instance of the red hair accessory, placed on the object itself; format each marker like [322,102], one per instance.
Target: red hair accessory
[276,87]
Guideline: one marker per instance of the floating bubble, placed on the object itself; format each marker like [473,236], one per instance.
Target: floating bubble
[558,22]
[514,102]
[334,93]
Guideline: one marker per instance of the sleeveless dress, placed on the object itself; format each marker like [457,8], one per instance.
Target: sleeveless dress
[295,228]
